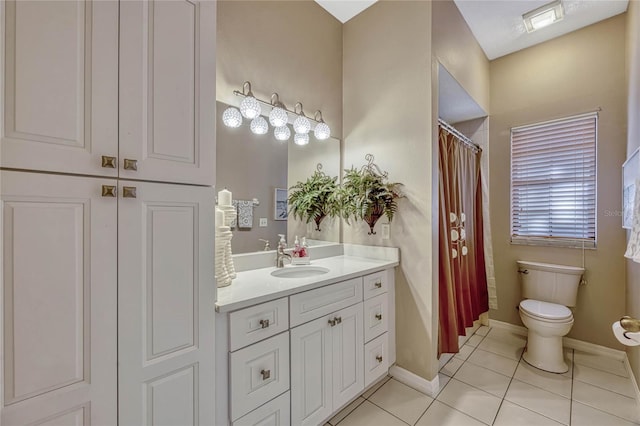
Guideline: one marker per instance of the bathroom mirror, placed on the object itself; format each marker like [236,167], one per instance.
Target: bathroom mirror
[258,170]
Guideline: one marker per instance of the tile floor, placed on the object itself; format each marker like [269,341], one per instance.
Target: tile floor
[488,383]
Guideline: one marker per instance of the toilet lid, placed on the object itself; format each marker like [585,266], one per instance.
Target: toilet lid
[546,310]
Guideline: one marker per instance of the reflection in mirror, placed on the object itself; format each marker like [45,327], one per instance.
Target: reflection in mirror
[255,166]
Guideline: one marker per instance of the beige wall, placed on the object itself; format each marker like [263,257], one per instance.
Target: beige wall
[387,109]
[455,47]
[572,74]
[633,142]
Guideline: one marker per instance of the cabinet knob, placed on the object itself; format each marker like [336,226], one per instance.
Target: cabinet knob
[129,192]
[108,191]
[130,164]
[378,284]
[265,374]
[339,320]
[379,358]
[264,323]
[379,317]
[333,322]
[108,162]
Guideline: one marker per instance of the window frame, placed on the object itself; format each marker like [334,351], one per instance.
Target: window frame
[555,241]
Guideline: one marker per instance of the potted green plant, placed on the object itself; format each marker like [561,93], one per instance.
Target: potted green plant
[315,199]
[366,194]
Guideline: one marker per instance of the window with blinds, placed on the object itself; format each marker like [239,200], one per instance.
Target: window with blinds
[553,182]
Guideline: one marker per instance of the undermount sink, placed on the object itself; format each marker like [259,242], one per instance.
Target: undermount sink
[299,271]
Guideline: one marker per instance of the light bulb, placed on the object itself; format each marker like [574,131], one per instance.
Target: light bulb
[231,117]
[250,108]
[282,133]
[301,138]
[322,131]
[302,124]
[259,125]
[278,117]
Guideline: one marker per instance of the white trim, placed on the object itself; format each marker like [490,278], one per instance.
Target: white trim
[429,387]
[634,383]
[517,329]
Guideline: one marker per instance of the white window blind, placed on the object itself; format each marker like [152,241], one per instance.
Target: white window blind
[553,182]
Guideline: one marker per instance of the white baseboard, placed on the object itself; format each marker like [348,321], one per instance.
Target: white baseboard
[429,387]
[633,380]
[517,329]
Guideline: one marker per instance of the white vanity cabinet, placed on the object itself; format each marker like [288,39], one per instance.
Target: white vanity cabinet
[299,359]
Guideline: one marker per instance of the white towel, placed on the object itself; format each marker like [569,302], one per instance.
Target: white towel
[245,214]
[633,248]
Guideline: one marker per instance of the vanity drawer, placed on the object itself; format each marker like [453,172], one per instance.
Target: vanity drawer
[376,363]
[259,373]
[375,284]
[276,412]
[313,304]
[258,322]
[376,316]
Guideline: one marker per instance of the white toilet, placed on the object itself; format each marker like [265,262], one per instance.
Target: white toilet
[548,290]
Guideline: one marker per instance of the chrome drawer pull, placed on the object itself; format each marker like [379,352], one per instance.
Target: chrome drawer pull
[378,284]
[379,358]
[264,323]
[379,317]
[265,374]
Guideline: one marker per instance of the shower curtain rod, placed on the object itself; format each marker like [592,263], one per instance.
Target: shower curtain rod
[465,140]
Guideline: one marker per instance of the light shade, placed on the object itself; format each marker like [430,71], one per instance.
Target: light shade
[301,138]
[282,133]
[322,131]
[231,117]
[250,107]
[278,117]
[543,16]
[302,124]
[259,125]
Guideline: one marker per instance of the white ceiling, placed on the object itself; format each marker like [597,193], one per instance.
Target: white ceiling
[344,10]
[498,26]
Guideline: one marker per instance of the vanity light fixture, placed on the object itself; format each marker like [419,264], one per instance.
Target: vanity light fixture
[231,117]
[322,130]
[543,16]
[302,123]
[278,116]
[259,125]
[282,133]
[249,107]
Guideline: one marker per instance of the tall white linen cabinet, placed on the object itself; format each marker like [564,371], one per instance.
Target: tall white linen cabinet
[108,166]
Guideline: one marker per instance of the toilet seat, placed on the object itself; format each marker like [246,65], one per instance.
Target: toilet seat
[545,311]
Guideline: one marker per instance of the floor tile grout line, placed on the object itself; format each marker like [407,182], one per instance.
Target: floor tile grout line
[387,411]
[424,412]
[508,386]
[573,377]
[605,389]
[349,413]
[460,411]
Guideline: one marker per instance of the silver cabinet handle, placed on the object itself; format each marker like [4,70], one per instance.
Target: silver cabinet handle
[108,162]
[265,374]
[264,323]
[379,317]
[379,358]
[130,164]
[339,319]
[333,322]
[378,284]
[129,192]
[108,191]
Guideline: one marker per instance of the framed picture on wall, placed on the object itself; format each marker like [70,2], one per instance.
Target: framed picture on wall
[281,206]
[630,172]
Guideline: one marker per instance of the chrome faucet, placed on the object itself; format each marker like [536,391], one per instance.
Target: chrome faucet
[280,254]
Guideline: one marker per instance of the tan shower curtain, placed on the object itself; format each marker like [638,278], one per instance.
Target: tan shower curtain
[463,281]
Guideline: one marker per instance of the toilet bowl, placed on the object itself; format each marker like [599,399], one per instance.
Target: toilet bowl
[548,291]
[547,323]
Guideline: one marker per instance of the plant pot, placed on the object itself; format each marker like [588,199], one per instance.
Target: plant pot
[371,221]
[317,219]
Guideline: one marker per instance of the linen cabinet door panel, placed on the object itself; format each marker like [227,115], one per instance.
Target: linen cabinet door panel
[59,300]
[348,354]
[166,299]
[60,86]
[311,359]
[167,90]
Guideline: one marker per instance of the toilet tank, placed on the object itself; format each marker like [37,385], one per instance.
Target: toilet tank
[550,283]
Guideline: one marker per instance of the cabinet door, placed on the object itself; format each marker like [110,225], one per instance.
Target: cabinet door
[348,354]
[166,294]
[60,85]
[311,372]
[59,300]
[167,90]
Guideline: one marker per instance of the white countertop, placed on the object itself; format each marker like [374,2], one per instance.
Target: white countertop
[258,285]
